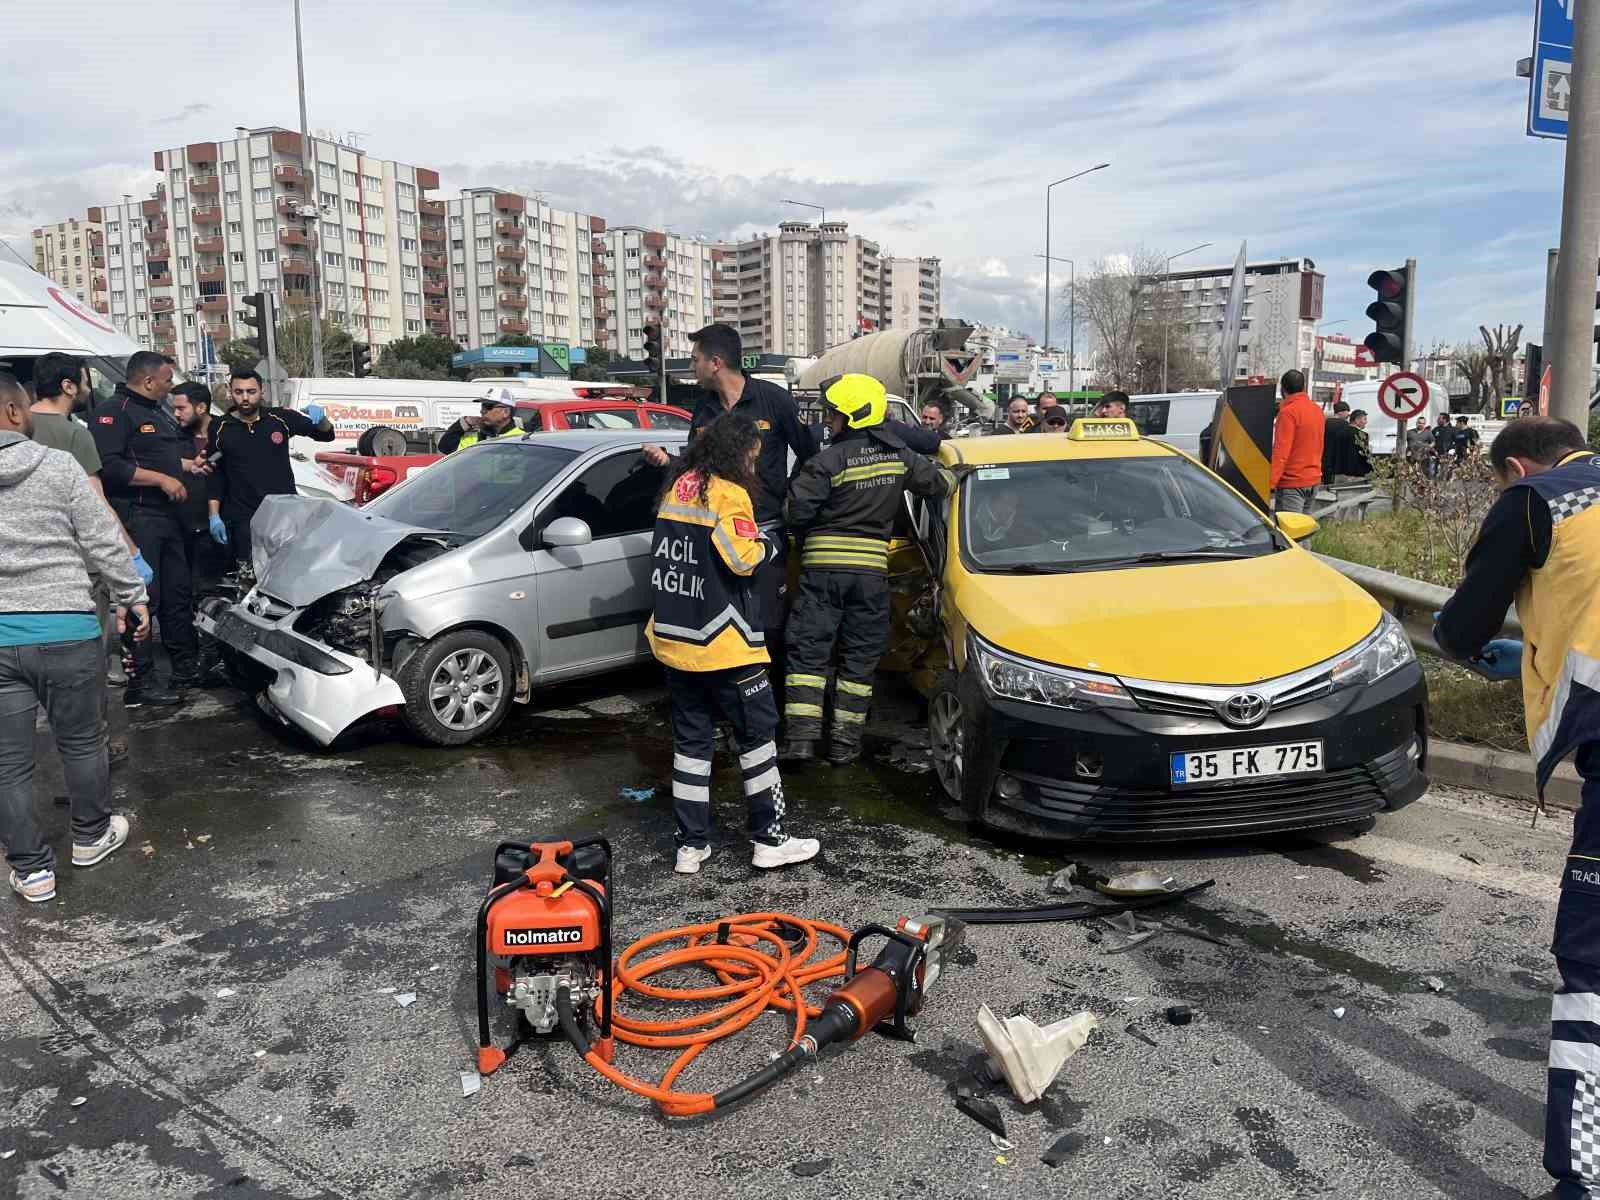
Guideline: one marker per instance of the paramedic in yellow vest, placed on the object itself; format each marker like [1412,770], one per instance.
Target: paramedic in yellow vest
[1540,544]
[706,630]
[496,418]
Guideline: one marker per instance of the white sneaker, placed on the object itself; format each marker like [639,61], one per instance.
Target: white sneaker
[690,858]
[112,839]
[35,887]
[785,853]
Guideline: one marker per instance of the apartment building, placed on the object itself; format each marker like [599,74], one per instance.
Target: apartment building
[521,267]
[911,295]
[1283,304]
[658,276]
[66,252]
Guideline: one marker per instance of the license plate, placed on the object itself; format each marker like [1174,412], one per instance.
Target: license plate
[1247,762]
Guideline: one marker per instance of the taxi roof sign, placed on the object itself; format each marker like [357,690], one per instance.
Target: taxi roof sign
[1104,429]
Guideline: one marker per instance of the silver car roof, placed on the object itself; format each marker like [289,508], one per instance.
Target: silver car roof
[583,440]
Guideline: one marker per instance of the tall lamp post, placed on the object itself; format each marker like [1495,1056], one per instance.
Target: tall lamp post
[308,160]
[1057,183]
[1166,323]
[805,204]
[1072,316]
[1316,345]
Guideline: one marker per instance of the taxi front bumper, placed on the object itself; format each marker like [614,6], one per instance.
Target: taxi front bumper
[314,687]
[1106,775]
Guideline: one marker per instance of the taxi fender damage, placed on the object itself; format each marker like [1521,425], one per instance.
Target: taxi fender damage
[304,548]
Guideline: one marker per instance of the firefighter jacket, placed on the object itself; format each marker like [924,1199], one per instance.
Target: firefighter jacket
[1559,605]
[846,499]
[703,562]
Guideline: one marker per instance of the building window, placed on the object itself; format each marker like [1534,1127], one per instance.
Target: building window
[377,268]
[231,199]
[483,220]
[352,208]
[333,260]
[263,195]
[405,190]
[236,257]
[264,225]
[184,262]
[375,239]
[327,170]
[486,292]
[260,166]
[374,213]
[235,228]
[408,244]
[266,257]
[229,167]
[332,232]
[412,299]
[349,178]
[408,273]
[378,295]
[371,182]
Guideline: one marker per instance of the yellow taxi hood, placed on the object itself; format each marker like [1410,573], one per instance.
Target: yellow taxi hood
[1237,621]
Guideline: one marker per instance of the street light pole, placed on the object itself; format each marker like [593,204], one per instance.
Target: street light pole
[1166,318]
[1057,183]
[1072,316]
[807,204]
[308,158]
[1571,356]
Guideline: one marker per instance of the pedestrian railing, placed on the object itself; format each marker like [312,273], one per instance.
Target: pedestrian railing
[1411,600]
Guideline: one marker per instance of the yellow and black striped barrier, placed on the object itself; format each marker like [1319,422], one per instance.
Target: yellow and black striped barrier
[1241,447]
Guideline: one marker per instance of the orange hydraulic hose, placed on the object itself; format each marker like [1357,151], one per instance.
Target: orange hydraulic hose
[749,980]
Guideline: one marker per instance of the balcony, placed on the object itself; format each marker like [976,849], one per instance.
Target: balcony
[155,228]
[654,262]
[214,304]
[296,297]
[157,252]
[219,326]
[292,264]
[296,237]
[514,278]
[163,329]
[602,315]
[436,313]
[162,304]
[211,275]
[431,235]
[434,262]
[290,174]
[210,245]
[598,246]
[510,202]
[513,325]
[654,302]
[101,306]
[431,208]
[161,279]
[99,283]
[97,261]
[513,300]
[655,281]
[209,215]
[654,241]
[508,229]
[204,185]
[511,253]
[601,291]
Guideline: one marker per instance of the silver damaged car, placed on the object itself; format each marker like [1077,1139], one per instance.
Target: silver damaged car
[512,564]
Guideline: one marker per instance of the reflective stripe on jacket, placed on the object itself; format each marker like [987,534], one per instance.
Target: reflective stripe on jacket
[1559,606]
[472,436]
[703,562]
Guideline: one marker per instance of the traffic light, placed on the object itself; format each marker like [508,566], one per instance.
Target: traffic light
[1388,312]
[652,347]
[258,316]
[360,360]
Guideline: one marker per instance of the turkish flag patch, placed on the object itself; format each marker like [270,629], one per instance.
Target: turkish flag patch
[743,528]
[147,429]
[108,420]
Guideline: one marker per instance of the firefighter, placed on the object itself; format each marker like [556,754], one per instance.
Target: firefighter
[845,501]
[497,418]
[705,629]
[1540,544]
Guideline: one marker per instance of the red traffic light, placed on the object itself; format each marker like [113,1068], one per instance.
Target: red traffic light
[1388,284]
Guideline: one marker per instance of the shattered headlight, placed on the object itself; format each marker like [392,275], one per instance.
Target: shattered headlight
[356,602]
[1382,652]
[1021,679]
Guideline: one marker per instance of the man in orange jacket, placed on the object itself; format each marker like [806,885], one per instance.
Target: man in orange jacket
[1296,447]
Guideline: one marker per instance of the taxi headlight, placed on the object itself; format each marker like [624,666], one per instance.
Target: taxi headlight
[1017,679]
[1382,652]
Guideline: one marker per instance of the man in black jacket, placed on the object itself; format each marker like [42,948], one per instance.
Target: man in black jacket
[1344,459]
[845,501]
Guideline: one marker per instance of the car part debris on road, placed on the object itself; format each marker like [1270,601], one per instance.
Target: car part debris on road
[1179,1014]
[1030,1057]
[984,1112]
[1078,910]
[1434,983]
[1063,1148]
[546,922]
[1134,1031]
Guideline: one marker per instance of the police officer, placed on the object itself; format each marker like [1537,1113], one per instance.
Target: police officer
[1540,544]
[251,450]
[496,418]
[844,502]
[705,631]
[717,359]
[147,465]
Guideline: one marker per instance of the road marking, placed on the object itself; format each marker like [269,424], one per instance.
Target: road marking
[1529,884]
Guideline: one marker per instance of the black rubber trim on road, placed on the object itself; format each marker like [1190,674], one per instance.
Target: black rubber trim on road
[1078,910]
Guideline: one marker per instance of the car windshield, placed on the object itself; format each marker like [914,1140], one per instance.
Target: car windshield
[1066,516]
[473,490]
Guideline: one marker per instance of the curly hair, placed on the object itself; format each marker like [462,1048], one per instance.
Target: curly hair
[720,449]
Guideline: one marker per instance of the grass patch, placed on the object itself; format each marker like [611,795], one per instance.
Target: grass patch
[1464,707]
[1395,542]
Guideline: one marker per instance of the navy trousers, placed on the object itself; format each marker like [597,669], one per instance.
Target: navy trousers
[741,696]
[1572,1113]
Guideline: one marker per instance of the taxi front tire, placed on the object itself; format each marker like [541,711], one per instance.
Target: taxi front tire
[950,739]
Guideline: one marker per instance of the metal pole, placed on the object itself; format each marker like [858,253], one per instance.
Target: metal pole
[1402,423]
[1571,356]
[1166,317]
[1072,323]
[308,159]
[1057,183]
[269,303]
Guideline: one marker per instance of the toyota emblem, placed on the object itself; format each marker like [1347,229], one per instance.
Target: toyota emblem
[1244,709]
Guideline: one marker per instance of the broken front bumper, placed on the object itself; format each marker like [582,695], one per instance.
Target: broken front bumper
[314,687]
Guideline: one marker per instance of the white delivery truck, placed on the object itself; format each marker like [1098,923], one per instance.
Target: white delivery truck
[1177,418]
[1363,395]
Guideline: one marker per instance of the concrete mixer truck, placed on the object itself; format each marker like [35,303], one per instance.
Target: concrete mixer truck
[914,365]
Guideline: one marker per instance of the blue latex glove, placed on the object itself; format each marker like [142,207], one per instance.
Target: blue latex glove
[1500,659]
[314,411]
[219,531]
[146,571]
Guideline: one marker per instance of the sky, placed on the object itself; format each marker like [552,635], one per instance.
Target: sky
[1305,128]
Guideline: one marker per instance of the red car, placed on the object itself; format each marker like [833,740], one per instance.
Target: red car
[369,475]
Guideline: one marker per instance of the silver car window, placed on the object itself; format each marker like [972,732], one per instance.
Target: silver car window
[473,490]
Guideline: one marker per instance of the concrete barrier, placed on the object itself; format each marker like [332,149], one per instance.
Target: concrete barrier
[1501,773]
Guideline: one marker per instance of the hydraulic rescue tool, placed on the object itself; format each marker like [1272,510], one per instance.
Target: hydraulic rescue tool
[546,925]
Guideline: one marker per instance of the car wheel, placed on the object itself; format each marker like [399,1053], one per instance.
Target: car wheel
[947,735]
[381,441]
[457,687]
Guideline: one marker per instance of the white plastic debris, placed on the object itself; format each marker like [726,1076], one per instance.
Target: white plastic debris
[1143,882]
[1435,984]
[435,967]
[1000,1143]
[79,1101]
[261,1053]
[388,991]
[1338,1014]
[1028,1056]
[406,999]
[224,993]
[8,1154]
[471,1081]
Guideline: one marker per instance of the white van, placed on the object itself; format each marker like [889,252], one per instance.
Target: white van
[37,318]
[1363,395]
[1177,418]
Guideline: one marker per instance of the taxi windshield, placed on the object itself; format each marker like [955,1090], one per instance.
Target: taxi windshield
[1047,517]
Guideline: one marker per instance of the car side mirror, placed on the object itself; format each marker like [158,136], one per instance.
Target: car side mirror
[1297,527]
[567,531]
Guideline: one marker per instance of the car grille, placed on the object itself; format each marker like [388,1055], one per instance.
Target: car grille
[1177,699]
[1297,802]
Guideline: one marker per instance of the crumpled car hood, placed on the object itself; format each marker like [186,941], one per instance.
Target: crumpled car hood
[303,547]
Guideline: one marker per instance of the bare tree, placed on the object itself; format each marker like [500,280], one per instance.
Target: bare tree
[1502,355]
[1113,299]
[1472,360]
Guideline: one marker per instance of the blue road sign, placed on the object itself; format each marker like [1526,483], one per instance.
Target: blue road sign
[1550,88]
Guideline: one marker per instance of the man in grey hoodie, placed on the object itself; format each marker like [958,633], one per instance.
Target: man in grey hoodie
[56,530]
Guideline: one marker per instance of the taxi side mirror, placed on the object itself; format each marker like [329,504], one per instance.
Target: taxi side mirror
[1297,527]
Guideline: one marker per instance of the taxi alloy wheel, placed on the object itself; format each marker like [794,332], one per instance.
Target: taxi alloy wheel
[946,735]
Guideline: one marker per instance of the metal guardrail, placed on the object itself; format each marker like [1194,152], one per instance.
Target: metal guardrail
[1411,600]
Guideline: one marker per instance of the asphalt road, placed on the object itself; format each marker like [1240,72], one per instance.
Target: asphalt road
[222,992]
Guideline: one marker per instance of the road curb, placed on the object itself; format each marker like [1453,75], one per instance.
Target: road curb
[1502,773]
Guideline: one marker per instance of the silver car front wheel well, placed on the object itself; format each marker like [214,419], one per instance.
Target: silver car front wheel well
[410,643]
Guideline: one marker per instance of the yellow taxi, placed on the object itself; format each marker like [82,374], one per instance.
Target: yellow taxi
[1131,651]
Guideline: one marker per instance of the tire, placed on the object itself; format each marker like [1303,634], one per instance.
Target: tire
[947,735]
[382,441]
[467,657]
